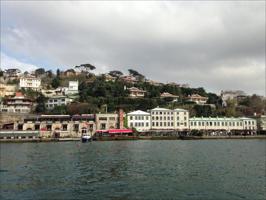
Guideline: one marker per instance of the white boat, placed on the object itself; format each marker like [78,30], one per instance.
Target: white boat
[86,138]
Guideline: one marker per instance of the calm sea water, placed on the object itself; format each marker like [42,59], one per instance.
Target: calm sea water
[216,169]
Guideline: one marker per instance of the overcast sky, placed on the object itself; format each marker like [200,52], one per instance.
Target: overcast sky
[215,45]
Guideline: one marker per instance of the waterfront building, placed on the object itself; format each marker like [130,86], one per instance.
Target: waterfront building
[30,82]
[59,125]
[17,104]
[223,124]
[140,120]
[198,99]
[106,121]
[7,90]
[181,119]
[136,92]
[262,123]
[162,119]
[59,100]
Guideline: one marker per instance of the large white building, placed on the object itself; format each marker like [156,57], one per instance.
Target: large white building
[140,120]
[223,123]
[30,82]
[162,118]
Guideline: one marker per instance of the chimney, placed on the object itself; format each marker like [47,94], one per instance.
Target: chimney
[121,118]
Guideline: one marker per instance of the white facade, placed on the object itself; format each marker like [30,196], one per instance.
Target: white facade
[73,88]
[140,120]
[162,118]
[228,124]
[57,101]
[30,82]
[181,119]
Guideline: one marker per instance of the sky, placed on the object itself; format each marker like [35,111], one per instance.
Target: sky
[216,45]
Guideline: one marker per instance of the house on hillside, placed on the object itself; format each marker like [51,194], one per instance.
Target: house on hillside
[54,101]
[30,82]
[169,95]
[198,99]
[17,104]
[12,73]
[136,92]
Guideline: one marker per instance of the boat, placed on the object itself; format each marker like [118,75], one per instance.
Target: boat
[86,138]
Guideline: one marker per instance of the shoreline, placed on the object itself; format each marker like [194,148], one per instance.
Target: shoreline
[126,138]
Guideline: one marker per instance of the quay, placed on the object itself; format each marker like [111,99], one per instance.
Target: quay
[34,136]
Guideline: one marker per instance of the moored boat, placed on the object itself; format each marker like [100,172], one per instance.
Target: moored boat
[86,138]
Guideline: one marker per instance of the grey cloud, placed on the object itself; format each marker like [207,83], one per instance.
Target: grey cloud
[218,45]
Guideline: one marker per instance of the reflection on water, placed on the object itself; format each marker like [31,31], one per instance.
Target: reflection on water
[220,169]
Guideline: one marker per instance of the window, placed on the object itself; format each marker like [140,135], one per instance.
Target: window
[177,123]
[103,126]
[131,124]
[64,127]
[147,124]
[76,127]
[37,127]
[164,123]
[185,123]
[131,118]
[49,127]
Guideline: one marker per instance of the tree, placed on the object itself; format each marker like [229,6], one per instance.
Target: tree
[58,72]
[55,82]
[39,71]
[86,68]
[49,73]
[116,73]
[203,110]
[136,74]
[40,108]
[1,73]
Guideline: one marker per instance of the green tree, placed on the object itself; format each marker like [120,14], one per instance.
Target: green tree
[115,73]
[40,108]
[55,82]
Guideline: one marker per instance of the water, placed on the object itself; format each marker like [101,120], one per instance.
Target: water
[202,169]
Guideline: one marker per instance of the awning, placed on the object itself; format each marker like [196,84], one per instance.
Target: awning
[120,131]
[112,131]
